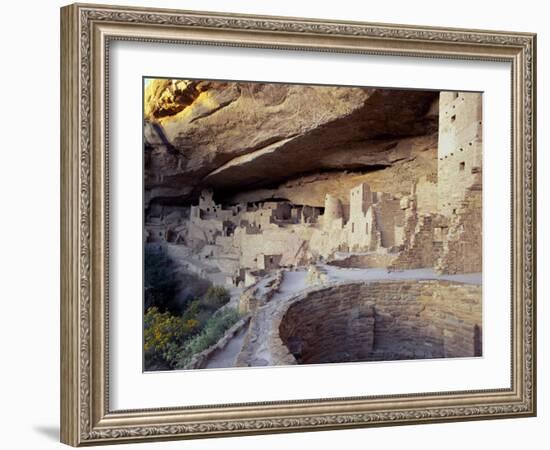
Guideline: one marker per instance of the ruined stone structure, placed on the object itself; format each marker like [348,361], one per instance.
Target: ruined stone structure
[376,321]
[460,182]
[350,177]
[435,223]
[459,148]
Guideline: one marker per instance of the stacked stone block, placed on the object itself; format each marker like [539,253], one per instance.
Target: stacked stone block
[377,321]
[462,248]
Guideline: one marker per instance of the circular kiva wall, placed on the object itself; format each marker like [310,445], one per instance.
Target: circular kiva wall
[382,321]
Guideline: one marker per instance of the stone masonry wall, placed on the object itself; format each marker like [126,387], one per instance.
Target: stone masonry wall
[462,248]
[255,296]
[319,329]
[370,260]
[389,215]
[419,249]
[426,194]
[449,236]
[459,147]
[380,321]
[273,241]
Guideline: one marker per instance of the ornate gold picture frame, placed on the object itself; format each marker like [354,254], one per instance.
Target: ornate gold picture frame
[87,32]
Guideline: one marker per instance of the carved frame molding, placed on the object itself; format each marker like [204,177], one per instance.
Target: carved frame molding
[86,31]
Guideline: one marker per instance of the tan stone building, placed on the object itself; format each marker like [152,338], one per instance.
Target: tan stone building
[436,223]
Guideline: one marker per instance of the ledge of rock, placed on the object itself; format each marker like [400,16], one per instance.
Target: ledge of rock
[273,136]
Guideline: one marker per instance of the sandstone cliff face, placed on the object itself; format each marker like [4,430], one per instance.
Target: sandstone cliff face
[257,140]
[413,158]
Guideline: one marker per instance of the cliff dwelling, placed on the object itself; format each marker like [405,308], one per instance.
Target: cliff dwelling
[343,223]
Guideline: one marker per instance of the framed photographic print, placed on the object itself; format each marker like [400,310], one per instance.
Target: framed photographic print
[276,225]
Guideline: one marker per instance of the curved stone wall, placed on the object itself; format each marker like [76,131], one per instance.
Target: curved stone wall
[381,321]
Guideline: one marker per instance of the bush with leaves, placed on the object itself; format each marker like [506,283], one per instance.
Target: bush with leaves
[212,332]
[169,337]
[164,333]
[215,297]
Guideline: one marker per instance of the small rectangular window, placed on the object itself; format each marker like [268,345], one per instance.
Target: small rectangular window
[453,117]
[462,166]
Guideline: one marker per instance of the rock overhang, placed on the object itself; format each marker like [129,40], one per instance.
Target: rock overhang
[242,136]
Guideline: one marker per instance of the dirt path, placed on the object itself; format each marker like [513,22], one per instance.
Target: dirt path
[294,282]
[227,356]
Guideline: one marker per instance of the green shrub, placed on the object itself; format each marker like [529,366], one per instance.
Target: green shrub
[215,297]
[192,309]
[162,334]
[169,337]
[212,332]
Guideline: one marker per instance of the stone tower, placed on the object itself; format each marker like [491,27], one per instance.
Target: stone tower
[459,148]
[206,200]
[360,199]
[459,183]
[333,212]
